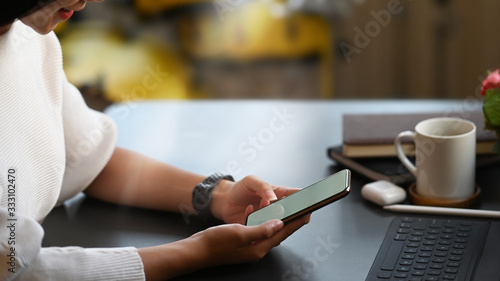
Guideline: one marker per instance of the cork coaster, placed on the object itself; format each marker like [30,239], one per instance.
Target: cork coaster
[461,203]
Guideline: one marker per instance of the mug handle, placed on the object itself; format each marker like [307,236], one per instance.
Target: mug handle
[401,155]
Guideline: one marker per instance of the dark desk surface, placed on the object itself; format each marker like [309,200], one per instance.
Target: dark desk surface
[281,141]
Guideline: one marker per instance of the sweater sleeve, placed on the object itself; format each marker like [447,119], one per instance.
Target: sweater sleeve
[79,264]
[90,139]
[23,259]
[20,241]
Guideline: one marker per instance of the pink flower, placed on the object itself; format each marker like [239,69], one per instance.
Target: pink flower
[492,81]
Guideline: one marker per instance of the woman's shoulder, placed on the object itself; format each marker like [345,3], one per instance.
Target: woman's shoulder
[22,39]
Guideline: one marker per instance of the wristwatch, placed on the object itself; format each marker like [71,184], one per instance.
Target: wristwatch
[202,193]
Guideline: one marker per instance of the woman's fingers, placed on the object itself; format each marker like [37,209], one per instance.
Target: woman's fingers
[257,185]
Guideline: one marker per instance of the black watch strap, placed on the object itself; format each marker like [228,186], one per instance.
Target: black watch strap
[202,193]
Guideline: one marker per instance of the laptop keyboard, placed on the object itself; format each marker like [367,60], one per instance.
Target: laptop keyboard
[429,249]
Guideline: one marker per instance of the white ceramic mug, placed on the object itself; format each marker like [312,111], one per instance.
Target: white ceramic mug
[445,157]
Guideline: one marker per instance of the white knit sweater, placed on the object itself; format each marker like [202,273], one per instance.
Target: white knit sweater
[51,148]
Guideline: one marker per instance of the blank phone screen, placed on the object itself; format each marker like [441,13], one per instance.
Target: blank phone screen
[309,196]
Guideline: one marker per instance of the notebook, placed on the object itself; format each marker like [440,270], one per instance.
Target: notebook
[372,135]
[390,168]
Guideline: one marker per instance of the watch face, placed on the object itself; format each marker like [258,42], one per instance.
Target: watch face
[202,193]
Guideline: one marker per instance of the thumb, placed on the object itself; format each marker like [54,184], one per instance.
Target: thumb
[265,230]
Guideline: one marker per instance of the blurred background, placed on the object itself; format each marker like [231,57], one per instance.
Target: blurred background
[122,50]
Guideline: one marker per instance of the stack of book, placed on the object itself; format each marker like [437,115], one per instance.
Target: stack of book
[368,143]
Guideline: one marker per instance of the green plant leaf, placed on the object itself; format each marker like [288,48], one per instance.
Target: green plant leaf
[491,108]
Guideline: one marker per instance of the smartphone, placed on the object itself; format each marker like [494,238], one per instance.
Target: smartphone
[306,200]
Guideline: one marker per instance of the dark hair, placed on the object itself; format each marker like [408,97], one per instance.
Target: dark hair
[10,10]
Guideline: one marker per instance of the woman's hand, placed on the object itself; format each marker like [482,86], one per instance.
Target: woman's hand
[220,245]
[233,202]
[235,243]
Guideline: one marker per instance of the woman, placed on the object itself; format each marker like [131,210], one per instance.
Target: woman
[46,158]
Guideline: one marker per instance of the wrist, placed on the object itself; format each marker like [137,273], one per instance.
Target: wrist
[219,196]
[203,194]
[171,260]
